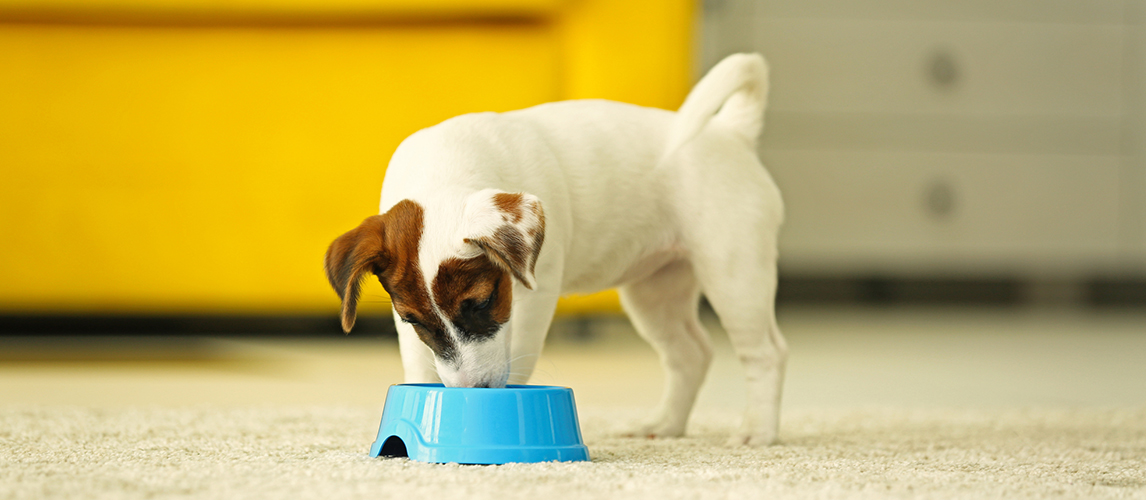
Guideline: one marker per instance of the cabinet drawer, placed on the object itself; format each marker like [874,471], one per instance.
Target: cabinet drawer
[906,212]
[911,67]
[1047,11]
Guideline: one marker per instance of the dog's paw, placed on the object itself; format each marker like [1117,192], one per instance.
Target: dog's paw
[752,440]
[759,428]
[655,430]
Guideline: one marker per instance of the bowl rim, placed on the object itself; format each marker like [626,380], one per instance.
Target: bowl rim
[515,387]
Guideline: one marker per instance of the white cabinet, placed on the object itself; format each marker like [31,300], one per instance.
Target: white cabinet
[927,137]
[920,213]
[866,66]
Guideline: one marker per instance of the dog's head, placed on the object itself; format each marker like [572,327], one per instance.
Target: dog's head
[450,278]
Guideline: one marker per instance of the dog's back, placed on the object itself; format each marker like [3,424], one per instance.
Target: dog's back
[632,173]
[609,174]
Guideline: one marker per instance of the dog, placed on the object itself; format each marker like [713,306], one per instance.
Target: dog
[487,218]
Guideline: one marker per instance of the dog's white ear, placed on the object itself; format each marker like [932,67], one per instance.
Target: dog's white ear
[509,228]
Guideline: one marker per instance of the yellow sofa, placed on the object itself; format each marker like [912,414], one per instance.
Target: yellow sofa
[197,156]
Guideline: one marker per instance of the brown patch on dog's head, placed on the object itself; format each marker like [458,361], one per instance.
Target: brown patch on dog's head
[387,246]
[510,204]
[475,294]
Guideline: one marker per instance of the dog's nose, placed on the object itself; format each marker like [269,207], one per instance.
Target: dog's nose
[478,380]
[464,380]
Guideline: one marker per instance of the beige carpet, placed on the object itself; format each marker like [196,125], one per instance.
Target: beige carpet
[879,404]
[280,452]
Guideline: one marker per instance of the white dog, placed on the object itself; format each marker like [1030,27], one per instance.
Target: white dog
[487,218]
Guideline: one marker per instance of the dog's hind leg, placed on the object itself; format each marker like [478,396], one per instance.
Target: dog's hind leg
[663,308]
[740,283]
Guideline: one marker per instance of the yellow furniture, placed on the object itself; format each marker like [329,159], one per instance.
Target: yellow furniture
[195,156]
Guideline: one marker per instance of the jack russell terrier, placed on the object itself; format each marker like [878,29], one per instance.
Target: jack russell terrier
[487,218]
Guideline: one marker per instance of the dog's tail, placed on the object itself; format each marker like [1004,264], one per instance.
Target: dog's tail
[734,92]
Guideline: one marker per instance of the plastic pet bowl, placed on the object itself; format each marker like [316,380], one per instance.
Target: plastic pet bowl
[519,423]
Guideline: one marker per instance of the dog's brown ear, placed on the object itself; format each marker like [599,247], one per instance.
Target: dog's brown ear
[510,229]
[352,255]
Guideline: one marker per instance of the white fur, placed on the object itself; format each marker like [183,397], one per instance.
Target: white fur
[664,205]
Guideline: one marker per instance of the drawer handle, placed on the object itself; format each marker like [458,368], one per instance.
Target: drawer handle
[711,6]
[942,69]
[939,200]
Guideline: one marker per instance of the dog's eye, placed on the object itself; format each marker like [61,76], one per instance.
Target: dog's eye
[410,320]
[485,303]
[474,305]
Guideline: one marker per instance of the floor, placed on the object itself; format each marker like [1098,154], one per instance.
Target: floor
[880,403]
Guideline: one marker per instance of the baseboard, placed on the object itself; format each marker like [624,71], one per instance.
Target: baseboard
[1097,293]
[381,325]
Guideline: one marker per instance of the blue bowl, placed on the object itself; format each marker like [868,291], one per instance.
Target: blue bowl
[519,423]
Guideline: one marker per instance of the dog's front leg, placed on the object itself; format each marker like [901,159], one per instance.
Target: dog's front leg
[532,315]
[417,358]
